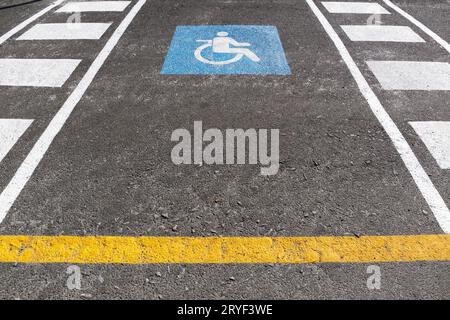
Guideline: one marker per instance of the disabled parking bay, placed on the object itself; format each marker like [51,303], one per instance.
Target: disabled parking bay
[92,154]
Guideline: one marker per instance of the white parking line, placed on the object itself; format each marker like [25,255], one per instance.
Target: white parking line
[436,136]
[354,7]
[381,33]
[95,6]
[411,75]
[36,72]
[420,25]
[26,169]
[10,131]
[421,178]
[65,31]
[24,24]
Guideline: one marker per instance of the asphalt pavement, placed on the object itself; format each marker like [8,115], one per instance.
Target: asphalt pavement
[94,158]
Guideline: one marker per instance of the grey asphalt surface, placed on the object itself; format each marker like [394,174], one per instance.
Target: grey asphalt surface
[109,170]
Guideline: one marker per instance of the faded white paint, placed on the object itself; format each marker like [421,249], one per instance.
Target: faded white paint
[65,31]
[36,72]
[411,75]
[381,33]
[10,131]
[95,6]
[354,7]
[436,136]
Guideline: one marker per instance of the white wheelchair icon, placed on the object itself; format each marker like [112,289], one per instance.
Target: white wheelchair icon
[221,44]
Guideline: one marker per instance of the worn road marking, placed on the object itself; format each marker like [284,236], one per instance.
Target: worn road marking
[26,169]
[24,24]
[65,31]
[420,25]
[411,75]
[421,178]
[436,136]
[147,250]
[10,131]
[95,6]
[36,72]
[381,33]
[354,7]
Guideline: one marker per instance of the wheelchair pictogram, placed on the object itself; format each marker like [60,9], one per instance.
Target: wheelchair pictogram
[223,44]
[226,49]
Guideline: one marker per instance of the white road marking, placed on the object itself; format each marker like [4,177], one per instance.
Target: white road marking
[354,7]
[381,33]
[95,6]
[24,24]
[10,132]
[423,181]
[36,72]
[28,166]
[65,31]
[420,25]
[436,136]
[411,75]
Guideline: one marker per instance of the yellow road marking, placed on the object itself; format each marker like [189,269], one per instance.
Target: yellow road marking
[148,250]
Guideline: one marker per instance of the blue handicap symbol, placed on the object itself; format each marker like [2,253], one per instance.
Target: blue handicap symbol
[230,49]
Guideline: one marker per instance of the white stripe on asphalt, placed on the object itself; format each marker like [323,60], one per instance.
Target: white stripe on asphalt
[423,181]
[95,6]
[381,33]
[65,31]
[10,132]
[24,24]
[411,75]
[436,136]
[36,72]
[354,7]
[420,25]
[26,169]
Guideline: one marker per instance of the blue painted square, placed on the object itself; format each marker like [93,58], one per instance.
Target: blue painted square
[230,49]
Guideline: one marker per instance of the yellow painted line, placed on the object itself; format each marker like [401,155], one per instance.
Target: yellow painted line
[148,250]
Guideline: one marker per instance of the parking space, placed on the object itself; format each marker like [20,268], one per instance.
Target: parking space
[357,92]
[336,178]
[410,76]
